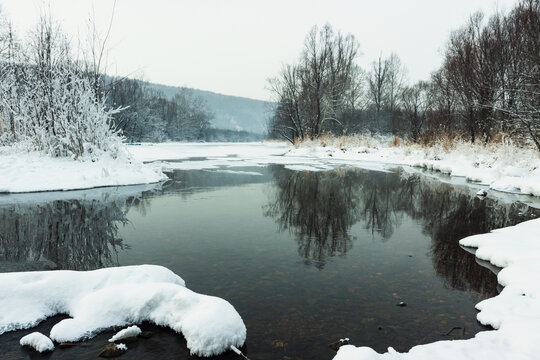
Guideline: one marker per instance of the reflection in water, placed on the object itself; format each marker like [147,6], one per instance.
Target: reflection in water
[397,234]
[72,234]
[320,208]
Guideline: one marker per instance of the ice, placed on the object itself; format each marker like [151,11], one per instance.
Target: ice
[514,313]
[126,333]
[38,341]
[105,298]
[35,171]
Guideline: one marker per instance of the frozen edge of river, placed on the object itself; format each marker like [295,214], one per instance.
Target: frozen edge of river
[22,172]
[514,313]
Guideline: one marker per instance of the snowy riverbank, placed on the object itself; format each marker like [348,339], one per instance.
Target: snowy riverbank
[502,167]
[100,299]
[23,171]
[515,312]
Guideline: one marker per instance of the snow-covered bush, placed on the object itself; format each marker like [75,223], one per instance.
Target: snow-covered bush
[51,101]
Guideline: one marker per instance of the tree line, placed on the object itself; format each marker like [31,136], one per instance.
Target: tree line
[488,85]
[56,98]
[148,115]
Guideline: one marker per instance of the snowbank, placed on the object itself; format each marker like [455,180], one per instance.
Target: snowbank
[502,167]
[515,312]
[101,299]
[126,333]
[38,341]
[35,171]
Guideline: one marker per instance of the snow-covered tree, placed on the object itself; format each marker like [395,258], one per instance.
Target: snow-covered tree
[49,102]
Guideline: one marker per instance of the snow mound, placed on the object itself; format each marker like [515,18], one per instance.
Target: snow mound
[101,299]
[514,313]
[126,333]
[35,171]
[38,341]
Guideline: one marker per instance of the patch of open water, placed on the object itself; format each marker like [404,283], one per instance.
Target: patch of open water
[306,258]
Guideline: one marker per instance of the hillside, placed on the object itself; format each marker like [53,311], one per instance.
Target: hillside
[231,112]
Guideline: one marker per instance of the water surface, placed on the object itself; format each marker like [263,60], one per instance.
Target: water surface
[306,258]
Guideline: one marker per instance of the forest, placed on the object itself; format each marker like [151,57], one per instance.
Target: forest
[56,97]
[487,88]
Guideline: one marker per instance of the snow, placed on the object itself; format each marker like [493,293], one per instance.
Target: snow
[216,156]
[126,333]
[514,313]
[36,171]
[38,341]
[121,346]
[501,167]
[101,299]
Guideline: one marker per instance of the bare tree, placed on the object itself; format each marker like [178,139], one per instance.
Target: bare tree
[313,94]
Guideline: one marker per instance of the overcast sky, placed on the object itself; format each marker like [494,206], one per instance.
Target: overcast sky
[233,47]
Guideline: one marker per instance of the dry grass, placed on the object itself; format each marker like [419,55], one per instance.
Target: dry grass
[428,141]
[395,142]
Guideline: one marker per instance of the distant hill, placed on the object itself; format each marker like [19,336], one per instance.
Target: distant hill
[230,112]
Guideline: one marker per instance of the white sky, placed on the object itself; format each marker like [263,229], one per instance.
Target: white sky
[234,46]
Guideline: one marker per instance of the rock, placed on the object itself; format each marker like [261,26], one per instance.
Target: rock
[401,304]
[335,346]
[481,193]
[113,350]
[65,345]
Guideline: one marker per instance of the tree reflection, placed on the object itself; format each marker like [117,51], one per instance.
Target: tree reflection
[73,234]
[320,208]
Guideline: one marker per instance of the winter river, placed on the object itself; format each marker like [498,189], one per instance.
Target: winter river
[306,258]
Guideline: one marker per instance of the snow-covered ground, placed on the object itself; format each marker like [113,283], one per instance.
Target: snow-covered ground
[212,156]
[101,299]
[501,167]
[22,171]
[515,312]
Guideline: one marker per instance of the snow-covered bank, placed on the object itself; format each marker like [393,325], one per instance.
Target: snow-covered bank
[22,171]
[212,156]
[502,167]
[101,299]
[515,312]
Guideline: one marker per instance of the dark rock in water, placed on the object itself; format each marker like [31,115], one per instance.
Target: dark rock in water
[401,304]
[335,346]
[65,345]
[146,334]
[112,350]
[127,340]
[482,193]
